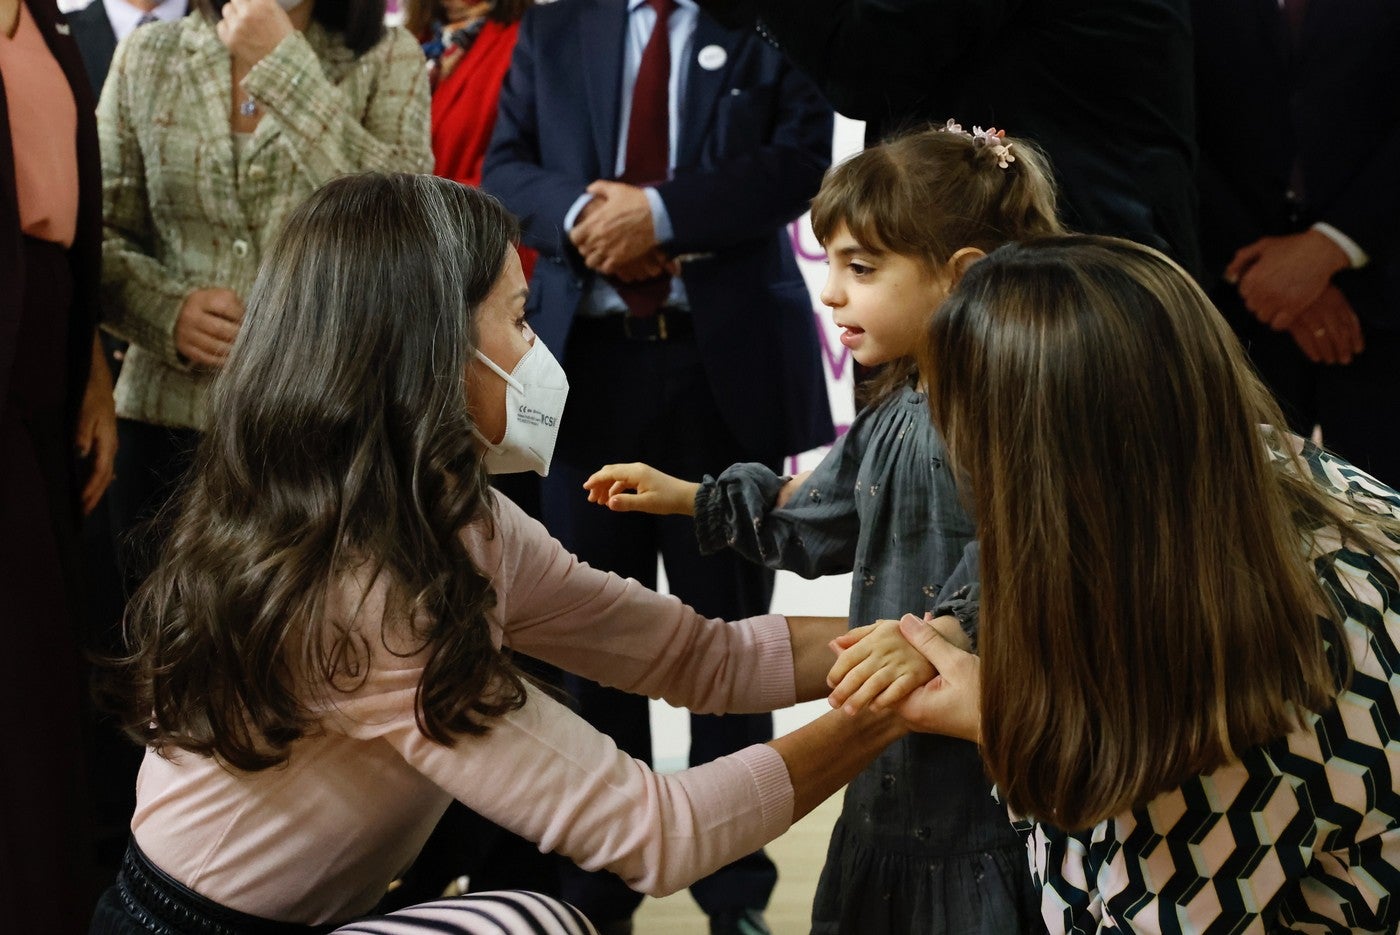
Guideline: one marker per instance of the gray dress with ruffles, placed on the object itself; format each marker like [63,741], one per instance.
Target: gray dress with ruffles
[921,845]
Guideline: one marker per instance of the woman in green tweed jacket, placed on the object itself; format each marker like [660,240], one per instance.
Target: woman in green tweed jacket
[213,129]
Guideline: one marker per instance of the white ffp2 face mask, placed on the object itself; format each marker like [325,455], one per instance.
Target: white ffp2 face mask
[290,5]
[535,395]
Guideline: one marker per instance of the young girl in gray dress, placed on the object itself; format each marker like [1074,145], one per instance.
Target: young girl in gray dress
[921,846]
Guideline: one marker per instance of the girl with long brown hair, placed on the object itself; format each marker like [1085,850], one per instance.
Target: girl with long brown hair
[321,659]
[1188,633]
[900,222]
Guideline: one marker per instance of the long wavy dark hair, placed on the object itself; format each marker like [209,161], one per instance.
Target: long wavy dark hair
[339,446]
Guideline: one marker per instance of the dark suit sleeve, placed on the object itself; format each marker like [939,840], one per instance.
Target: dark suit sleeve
[751,194]
[873,59]
[513,171]
[1226,224]
[1369,209]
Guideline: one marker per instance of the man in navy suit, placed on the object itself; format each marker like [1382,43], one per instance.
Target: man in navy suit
[99,26]
[1300,206]
[655,170]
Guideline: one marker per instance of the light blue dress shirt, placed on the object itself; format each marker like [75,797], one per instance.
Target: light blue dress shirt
[602,298]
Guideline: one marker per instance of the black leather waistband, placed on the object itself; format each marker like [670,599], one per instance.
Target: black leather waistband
[665,325]
[162,904]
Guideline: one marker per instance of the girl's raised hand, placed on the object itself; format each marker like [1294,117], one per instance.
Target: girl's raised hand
[876,667]
[635,487]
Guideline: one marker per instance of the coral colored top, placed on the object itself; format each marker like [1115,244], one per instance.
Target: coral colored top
[43,132]
[318,839]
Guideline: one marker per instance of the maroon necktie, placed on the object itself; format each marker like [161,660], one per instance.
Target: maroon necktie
[647,159]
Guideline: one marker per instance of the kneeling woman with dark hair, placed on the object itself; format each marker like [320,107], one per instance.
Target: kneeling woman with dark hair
[320,661]
[1189,627]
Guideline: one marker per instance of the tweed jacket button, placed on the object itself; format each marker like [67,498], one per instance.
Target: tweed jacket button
[240,248]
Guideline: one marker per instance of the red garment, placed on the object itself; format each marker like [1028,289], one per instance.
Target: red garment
[464,110]
[464,104]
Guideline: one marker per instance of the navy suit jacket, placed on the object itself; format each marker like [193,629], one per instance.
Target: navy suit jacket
[92,31]
[1333,104]
[755,138]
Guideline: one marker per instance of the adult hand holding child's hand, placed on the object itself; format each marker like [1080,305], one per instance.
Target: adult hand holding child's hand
[919,668]
[950,703]
[875,667]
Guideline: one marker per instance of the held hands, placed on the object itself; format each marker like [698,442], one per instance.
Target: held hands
[1279,277]
[251,29]
[920,668]
[96,437]
[1328,331]
[875,667]
[207,326]
[652,491]
[951,704]
[614,229]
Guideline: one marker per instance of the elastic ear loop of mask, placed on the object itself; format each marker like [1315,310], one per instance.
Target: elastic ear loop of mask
[511,382]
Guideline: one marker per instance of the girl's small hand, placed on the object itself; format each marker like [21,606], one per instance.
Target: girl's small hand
[877,667]
[651,491]
[250,29]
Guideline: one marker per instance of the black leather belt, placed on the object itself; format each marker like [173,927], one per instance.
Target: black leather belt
[668,324]
[159,903]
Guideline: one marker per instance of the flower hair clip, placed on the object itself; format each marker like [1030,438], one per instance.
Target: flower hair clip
[994,139]
[991,139]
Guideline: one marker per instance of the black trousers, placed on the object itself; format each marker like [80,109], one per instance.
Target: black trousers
[45,845]
[152,461]
[632,400]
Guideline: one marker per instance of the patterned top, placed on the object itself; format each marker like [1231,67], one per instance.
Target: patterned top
[184,211]
[1302,834]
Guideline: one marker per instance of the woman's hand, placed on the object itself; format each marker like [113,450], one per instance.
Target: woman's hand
[652,491]
[97,428]
[251,29]
[876,667]
[207,326]
[951,703]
